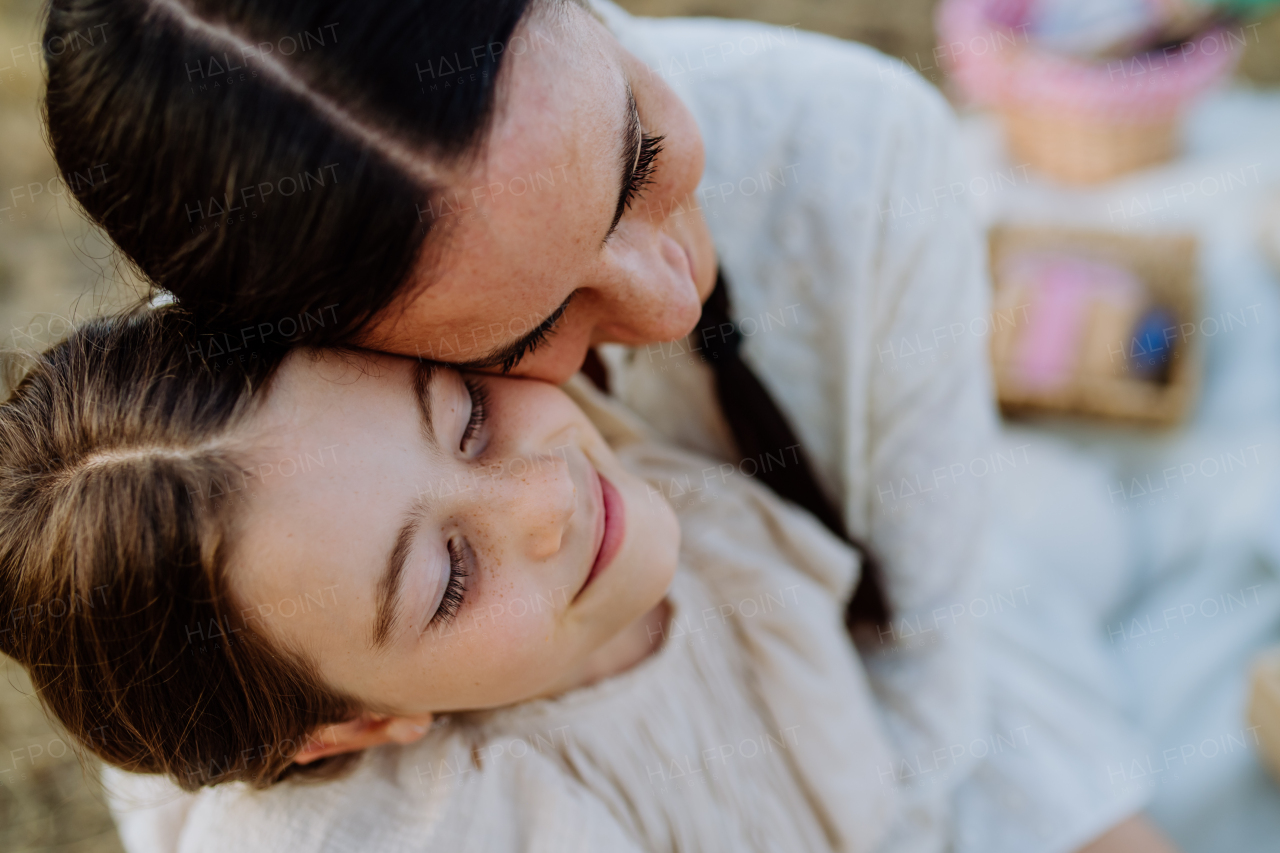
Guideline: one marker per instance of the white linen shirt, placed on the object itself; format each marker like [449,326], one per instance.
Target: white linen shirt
[837,198]
[858,279]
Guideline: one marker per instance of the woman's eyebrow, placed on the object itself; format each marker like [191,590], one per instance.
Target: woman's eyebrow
[631,137]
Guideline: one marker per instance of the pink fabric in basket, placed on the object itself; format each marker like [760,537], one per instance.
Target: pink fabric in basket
[1063,291]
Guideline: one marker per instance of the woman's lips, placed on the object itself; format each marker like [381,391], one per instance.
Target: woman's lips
[613,520]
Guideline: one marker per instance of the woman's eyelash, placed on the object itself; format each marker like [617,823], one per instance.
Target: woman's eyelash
[451,601]
[642,175]
[479,411]
[537,337]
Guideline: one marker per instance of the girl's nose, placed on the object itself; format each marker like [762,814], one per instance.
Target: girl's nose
[538,498]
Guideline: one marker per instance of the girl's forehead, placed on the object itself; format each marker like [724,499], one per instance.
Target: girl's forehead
[331,403]
[308,374]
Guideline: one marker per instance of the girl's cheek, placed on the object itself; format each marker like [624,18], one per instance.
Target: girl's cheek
[534,642]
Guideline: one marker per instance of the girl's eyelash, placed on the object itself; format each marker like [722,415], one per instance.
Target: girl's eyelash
[454,591]
[451,601]
[479,411]
[642,174]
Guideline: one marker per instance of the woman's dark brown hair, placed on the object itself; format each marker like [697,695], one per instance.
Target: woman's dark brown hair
[265,158]
[118,481]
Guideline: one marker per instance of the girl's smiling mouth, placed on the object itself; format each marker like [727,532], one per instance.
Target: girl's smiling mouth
[611,526]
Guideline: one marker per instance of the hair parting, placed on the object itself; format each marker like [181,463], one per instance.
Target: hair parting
[117,475]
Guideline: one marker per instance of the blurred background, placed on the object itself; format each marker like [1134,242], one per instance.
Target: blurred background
[55,269]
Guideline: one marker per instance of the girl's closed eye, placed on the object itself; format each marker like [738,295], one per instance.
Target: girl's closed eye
[455,590]
[479,412]
[460,553]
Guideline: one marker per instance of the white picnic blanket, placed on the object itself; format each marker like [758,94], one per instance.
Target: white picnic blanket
[1202,502]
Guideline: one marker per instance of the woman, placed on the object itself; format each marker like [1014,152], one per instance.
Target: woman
[503,185]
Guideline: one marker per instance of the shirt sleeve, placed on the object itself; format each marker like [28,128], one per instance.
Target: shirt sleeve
[838,201]
[929,442]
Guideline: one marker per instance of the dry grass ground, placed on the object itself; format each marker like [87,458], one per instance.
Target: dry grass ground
[48,799]
[51,269]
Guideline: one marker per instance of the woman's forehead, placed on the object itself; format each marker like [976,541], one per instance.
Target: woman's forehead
[527,221]
[563,91]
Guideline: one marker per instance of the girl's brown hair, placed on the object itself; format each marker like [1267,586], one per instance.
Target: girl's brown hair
[118,487]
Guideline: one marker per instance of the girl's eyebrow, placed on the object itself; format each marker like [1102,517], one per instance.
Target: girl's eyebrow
[423,373]
[388,606]
[388,599]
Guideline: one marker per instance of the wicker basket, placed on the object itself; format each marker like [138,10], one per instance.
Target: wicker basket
[1082,149]
[1075,119]
[1166,267]
[1264,709]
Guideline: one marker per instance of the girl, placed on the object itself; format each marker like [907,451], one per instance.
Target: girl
[272,567]
[268,568]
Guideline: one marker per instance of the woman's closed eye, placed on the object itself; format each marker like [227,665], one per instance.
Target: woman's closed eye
[642,175]
[639,177]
